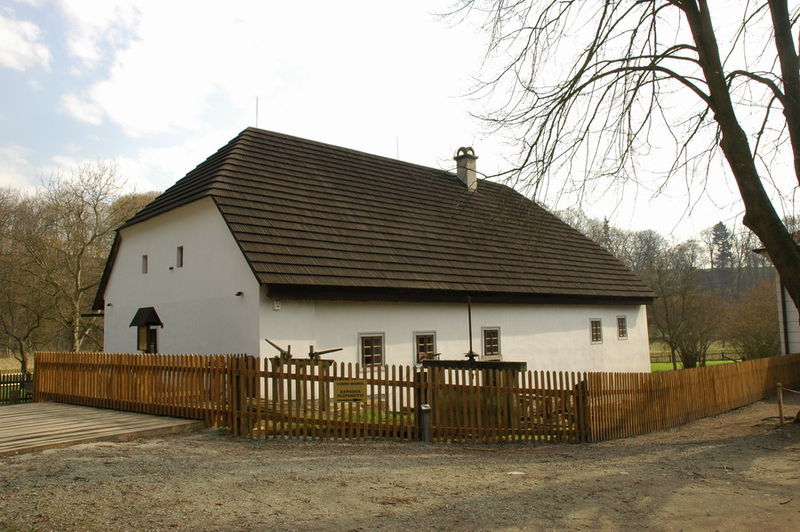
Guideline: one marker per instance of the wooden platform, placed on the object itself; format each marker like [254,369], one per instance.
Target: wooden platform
[32,427]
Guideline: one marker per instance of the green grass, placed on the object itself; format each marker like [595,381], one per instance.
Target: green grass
[9,365]
[715,350]
[667,366]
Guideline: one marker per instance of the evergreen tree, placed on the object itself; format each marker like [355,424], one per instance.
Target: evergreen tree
[721,244]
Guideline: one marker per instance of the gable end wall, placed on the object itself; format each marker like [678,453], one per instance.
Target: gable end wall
[196,303]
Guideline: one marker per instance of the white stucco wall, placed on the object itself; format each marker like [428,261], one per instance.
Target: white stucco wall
[552,337]
[793,320]
[196,303]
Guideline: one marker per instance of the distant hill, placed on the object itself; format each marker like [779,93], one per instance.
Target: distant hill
[733,281]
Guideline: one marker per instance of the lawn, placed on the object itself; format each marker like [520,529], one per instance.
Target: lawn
[667,366]
[9,365]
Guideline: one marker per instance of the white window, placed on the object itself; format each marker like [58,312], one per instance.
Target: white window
[491,342]
[179,258]
[596,330]
[622,327]
[371,348]
[424,346]
[144,263]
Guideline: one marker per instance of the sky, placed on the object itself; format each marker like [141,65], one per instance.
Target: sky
[159,86]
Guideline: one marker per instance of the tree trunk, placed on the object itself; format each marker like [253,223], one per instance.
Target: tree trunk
[22,358]
[760,215]
[790,72]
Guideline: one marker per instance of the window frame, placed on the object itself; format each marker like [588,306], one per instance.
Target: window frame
[499,354]
[415,348]
[599,322]
[145,264]
[361,359]
[622,332]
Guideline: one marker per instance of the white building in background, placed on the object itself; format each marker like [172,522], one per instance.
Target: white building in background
[789,320]
[306,244]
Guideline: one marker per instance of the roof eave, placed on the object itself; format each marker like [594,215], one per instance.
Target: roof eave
[356,293]
[99,298]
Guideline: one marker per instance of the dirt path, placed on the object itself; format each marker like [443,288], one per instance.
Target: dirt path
[733,472]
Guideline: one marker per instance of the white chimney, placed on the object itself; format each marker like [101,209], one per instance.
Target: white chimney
[465,164]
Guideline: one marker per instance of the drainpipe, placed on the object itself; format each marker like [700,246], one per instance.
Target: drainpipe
[784,315]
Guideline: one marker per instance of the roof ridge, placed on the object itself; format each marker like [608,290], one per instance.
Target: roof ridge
[345,149]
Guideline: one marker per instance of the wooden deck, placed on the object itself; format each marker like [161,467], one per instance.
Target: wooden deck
[32,427]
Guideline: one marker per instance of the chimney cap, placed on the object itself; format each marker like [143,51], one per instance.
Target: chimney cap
[465,151]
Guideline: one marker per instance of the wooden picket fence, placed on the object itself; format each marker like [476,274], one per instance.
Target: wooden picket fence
[628,404]
[187,386]
[304,399]
[297,399]
[16,388]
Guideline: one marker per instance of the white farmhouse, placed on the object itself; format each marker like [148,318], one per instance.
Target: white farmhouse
[307,244]
[789,320]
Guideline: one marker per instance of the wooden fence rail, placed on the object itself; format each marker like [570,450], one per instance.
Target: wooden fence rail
[302,399]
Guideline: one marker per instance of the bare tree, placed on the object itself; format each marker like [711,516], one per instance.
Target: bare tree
[604,81]
[65,241]
[751,322]
[685,317]
[24,308]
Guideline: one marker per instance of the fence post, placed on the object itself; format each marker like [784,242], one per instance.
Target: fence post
[582,410]
[780,404]
[420,398]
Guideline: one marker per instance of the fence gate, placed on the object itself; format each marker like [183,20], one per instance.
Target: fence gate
[490,405]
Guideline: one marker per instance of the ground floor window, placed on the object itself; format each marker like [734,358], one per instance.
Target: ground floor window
[596,328]
[491,341]
[622,327]
[371,349]
[425,346]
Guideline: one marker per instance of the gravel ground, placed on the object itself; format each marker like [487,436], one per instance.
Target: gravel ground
[734,471]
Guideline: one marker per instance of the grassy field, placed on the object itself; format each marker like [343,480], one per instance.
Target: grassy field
[718,353]
[667,366]
[10,365]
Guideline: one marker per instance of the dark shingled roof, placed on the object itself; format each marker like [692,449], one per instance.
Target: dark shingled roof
[321,220]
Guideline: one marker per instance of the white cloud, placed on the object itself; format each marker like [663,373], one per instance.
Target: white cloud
[83,110]
[157,168]
[15,169]
[333,72]
[95,24]
[150,168]
[20,46]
